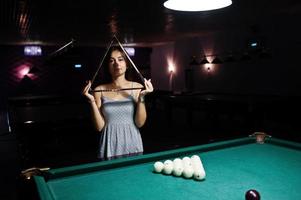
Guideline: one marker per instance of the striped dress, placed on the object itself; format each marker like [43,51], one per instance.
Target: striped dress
[120,137]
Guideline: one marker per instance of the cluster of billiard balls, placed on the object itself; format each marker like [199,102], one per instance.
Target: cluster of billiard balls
[187,167]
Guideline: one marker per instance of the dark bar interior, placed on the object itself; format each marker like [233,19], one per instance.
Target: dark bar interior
[252,86]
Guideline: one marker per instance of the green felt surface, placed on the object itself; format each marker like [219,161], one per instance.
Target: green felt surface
[271,169]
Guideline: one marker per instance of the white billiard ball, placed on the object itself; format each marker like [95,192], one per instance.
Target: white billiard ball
[177,170]
[177,160]
[195,157]
[158,167]
[188,172]
[186,161]
[168,167]
[199,175]
[168,162]
[196,164]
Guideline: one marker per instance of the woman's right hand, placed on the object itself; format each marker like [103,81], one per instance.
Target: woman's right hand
[86,93]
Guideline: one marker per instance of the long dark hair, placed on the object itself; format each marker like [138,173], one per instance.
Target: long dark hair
[105,72]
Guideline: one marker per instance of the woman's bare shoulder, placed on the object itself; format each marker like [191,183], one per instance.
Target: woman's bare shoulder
[136,84]
[101,87]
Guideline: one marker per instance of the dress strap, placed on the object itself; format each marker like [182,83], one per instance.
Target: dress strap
[132,91]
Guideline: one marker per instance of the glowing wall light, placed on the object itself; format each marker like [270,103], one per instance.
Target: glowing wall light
[130,51]
[32,51]
[77,66]
[171,66]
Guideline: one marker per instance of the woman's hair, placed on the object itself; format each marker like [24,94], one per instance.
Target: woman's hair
[105,74]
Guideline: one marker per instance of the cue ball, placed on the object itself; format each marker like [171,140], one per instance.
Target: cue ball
[252,195]
[158,167]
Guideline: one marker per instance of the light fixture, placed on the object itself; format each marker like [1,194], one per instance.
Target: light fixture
[171,69]
[32,51]
[196,5]
[130,51]
[77,66]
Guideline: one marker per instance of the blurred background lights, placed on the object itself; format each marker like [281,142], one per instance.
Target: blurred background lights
[32,51]
[130,51]
[77,66]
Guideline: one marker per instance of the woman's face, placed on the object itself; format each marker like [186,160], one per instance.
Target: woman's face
[117,64]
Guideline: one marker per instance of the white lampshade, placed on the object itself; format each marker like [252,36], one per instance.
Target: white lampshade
[196,5]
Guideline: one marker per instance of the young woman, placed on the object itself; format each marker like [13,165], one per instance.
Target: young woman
[118,114]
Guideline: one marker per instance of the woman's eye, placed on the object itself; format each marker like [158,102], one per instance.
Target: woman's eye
[120,59]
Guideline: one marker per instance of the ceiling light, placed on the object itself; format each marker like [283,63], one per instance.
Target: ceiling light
[196,5]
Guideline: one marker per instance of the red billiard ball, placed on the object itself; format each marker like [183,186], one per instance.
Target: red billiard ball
[252,195]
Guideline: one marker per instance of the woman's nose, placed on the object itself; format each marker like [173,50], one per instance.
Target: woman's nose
[115,64]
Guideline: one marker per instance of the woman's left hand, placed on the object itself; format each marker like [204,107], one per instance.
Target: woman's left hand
[148,88]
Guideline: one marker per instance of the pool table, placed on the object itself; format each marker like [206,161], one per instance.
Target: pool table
[232,167]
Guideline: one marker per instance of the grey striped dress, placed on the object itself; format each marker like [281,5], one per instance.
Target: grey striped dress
[120,137]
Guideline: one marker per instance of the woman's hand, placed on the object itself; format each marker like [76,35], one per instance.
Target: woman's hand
[86,93]
[148,88]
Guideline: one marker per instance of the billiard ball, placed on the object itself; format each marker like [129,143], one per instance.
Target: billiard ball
[186,161]
[252,195]
[177,160]
[177,170]
[168,167]
[177,167]
[195,157]
[199,175]
[188,171]
[158,167]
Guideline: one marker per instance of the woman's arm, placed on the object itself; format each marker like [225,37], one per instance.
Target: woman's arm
[141,114]
[97,117]
[95,104]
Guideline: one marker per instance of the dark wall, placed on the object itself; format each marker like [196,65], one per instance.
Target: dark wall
[269,84]
[55,74]
[275,73]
